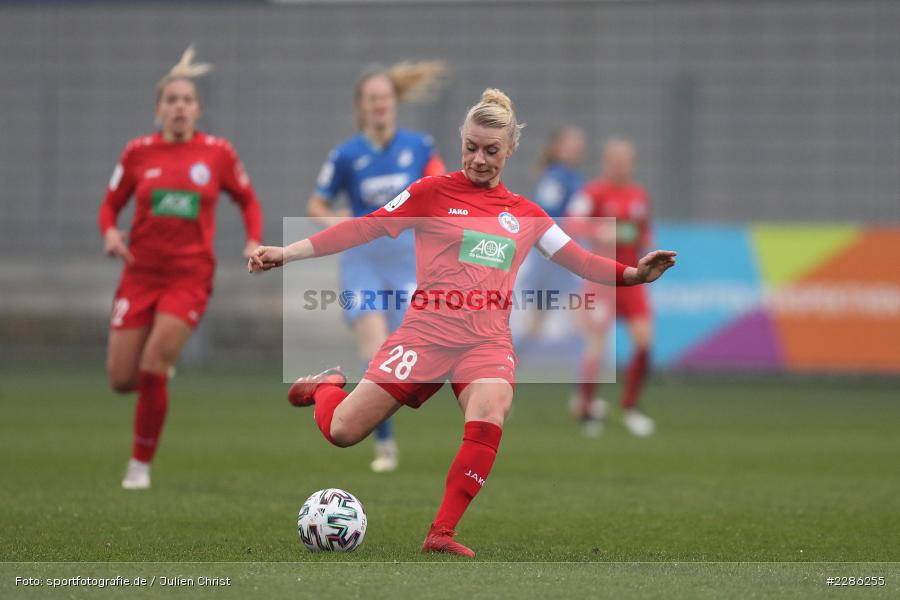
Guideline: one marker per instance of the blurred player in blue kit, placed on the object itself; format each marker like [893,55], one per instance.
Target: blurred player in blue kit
[370,169]
[559,181]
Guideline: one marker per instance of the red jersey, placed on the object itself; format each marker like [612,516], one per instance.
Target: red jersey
[470,243]
[628,204]
[176,186]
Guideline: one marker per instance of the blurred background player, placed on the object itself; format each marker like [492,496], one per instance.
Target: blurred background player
[370,169]
[615,194]
[175,176]
[558,183]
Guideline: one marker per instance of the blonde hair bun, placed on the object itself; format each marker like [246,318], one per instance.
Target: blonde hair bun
[495,96]
[495,110]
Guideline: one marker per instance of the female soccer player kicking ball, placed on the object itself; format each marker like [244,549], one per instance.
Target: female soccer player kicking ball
[472,235]
[370,168]
[176,176]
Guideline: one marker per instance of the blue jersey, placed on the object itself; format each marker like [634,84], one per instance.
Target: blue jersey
[369,176]
[556,188]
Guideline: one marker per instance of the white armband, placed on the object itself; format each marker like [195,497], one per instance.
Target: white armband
[552,240]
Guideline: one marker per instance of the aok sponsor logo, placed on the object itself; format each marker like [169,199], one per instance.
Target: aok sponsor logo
[488,250]
[176,203]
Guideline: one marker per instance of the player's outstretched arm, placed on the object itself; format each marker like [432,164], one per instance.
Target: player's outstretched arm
[269,257]
[603,270]
[340,237]
[650,268]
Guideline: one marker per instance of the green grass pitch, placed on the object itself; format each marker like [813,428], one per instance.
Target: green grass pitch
[748,488]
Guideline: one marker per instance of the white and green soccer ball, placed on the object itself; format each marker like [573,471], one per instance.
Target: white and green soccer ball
[332,520]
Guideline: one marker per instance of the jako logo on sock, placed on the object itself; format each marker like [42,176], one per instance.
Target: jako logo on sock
[478,478]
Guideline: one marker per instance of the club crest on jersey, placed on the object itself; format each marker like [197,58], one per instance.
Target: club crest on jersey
[508,222]
[200,173]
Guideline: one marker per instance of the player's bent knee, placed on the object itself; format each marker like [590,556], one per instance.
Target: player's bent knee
[490,403]
[344,435]
[121,384]
[158,361]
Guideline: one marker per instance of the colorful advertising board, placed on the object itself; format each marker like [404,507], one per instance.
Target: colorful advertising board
[789,298]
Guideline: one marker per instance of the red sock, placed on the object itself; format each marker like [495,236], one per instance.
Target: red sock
[590,367]
[149,414]
[637,372]
[469,470]
[327,397]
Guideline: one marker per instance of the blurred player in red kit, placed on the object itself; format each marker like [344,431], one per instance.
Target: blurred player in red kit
[471,236]
[175,176]
[615,194]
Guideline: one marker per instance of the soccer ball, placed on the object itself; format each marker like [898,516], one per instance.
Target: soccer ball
[333,520]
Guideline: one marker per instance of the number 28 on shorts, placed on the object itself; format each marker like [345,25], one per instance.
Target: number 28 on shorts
[407,360]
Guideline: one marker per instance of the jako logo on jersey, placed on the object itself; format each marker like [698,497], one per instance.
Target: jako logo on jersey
[478,478]
[378,190]
[458,211]
[397,202]
[405,159]
[152,173]
[508,222]
[487,250]
[200,173]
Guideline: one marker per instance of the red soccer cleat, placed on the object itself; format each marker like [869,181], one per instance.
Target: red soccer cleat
[301,392]
[440,539]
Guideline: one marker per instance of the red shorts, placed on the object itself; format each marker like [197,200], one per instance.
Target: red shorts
[630,302]
[141,294]
[412,369]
